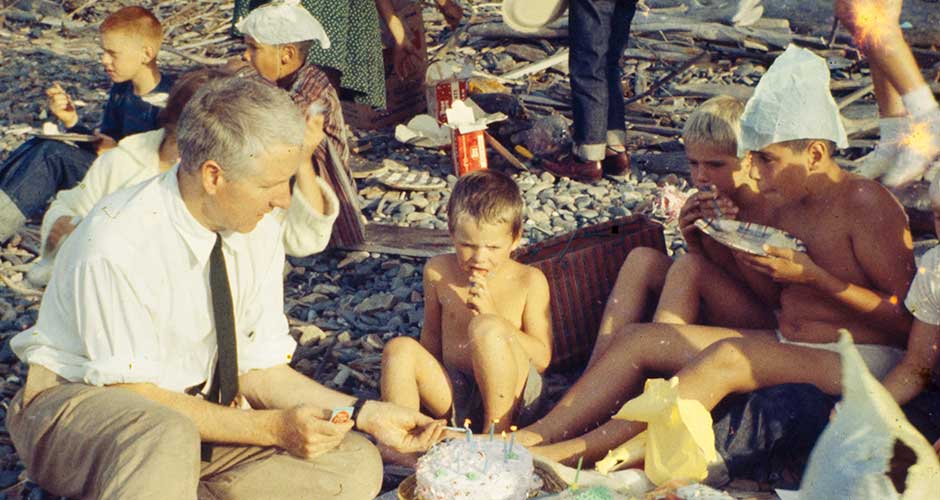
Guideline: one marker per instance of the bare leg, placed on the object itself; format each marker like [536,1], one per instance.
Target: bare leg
[500,367]
[880,37]
[641,278]
[747,364]
[694,282]
[594,445]
[618,374]
[741,364]
[411,376]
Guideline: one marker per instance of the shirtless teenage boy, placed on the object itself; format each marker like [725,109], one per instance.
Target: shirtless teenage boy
[858,266]
[709,270]
[486,317]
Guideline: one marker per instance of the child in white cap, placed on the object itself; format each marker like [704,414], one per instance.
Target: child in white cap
[854,275]
[278,37]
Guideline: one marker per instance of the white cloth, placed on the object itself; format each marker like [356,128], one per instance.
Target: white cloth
[880,359]
[791,102]
[137,158]
[923,299]
[129,300]
[282,22]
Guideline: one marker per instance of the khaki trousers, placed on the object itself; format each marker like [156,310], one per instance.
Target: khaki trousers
[88,442]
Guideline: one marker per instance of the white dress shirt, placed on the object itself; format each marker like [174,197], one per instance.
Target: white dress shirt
[129,300]
[137,158]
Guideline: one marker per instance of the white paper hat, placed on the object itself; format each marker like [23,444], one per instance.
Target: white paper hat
[282,22]
[791,102]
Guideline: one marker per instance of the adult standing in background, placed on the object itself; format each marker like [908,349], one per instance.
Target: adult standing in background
[597,33]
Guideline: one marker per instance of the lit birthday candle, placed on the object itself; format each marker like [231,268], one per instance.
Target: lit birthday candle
[493,428]
[512,439]
[466,425]
[505,449]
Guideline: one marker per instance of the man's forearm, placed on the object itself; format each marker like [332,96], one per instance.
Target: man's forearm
[216,423]
[282,387]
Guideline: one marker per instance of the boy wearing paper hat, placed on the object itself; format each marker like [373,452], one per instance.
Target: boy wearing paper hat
[278,36]
[857,269]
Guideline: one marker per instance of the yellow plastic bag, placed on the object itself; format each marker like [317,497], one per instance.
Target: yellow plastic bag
[851,458]
[680,442]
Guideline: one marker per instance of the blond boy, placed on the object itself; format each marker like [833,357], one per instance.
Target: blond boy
[728,294]
[31,175]
[858,265]
[487,326]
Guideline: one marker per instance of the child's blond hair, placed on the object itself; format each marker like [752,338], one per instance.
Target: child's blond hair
[137,22]
[716,123]
[489,197]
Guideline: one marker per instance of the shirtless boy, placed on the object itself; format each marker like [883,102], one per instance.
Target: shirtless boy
[858,265]
[486,317]
[729,294]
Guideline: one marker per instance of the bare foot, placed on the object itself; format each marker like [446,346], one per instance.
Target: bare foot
[528,438]
[565,452]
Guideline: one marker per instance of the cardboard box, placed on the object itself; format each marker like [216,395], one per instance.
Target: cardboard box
[468,151]
[403,99]
[442,94]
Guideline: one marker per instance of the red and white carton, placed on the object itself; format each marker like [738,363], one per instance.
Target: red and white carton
[447,82]
[468,144]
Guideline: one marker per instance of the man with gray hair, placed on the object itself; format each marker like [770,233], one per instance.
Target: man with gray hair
[162,331]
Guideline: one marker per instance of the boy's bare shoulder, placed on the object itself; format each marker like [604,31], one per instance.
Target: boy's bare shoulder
[440,267]
[865,196]
[532,277]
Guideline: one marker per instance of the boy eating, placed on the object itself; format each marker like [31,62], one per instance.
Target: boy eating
[34,172]
[487,335]
[729,294]
[859,262]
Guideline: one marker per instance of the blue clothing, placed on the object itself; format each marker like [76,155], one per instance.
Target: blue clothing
[597,33]
[39,168]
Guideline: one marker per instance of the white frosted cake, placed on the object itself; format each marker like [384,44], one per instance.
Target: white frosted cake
[478,469]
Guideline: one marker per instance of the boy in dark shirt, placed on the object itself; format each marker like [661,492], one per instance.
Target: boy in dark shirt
[34,172]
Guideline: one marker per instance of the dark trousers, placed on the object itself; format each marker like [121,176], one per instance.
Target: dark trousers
[33,174]
[597,32]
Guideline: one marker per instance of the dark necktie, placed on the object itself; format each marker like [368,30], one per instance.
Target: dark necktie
[224,385]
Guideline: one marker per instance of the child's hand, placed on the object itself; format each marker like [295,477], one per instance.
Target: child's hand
[105,142]
[406,58]
[703,205]
[60,104]
[480,301]
[783,265]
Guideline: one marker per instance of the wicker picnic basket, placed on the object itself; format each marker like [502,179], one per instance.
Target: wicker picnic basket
[581,268]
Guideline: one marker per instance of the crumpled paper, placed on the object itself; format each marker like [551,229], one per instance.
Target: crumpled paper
[680,442]
[281,22]
[853,453]
[792,101]
[424,130]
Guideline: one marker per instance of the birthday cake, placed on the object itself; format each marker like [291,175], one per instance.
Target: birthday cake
[476,469]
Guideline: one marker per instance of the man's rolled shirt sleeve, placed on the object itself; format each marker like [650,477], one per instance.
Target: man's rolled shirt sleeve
[307,231]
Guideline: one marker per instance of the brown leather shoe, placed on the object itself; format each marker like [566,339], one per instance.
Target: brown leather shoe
[617,164]
[572,167]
